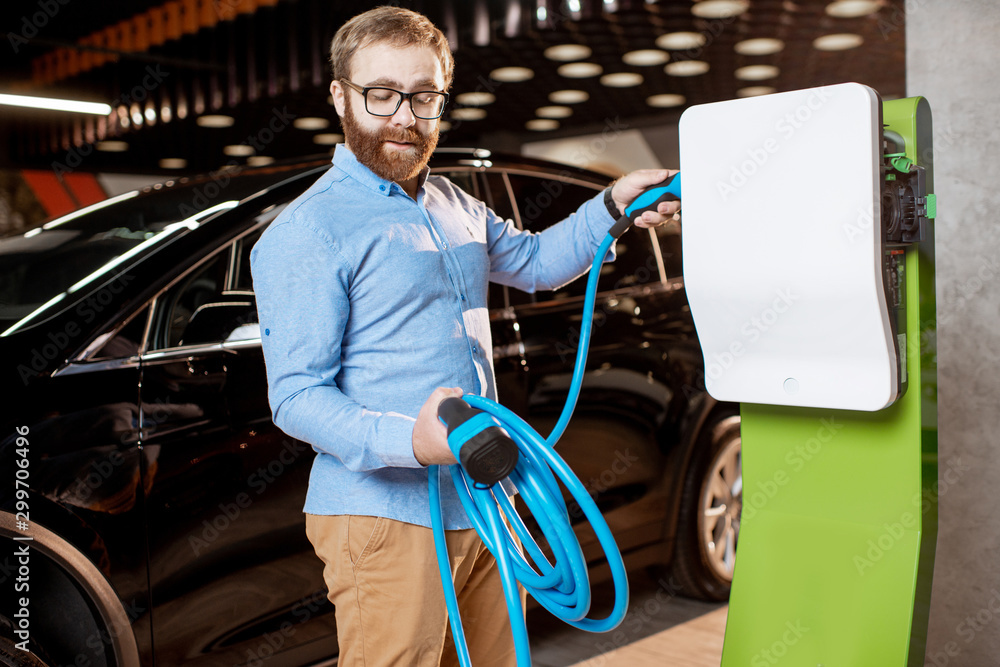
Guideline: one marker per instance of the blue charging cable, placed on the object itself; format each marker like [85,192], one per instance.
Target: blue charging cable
[560,585]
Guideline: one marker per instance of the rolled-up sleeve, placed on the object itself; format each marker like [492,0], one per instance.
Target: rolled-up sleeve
[302,324]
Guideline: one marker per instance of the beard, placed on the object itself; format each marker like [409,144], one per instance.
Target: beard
[388,163]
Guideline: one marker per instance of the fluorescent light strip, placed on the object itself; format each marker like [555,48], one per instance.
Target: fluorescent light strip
[54,104]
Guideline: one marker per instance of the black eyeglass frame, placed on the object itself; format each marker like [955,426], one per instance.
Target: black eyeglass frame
[408,97]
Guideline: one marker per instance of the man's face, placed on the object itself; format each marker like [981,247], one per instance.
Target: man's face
[395,147]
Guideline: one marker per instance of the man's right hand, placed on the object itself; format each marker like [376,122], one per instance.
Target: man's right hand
[430,437]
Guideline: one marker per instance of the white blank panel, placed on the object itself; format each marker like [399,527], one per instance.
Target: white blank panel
[782,248]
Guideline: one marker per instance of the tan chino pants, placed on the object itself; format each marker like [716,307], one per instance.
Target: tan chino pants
[382,576]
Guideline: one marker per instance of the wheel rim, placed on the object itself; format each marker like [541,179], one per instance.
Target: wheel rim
[721,502]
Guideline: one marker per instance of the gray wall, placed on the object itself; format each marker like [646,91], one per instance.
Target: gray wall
[951,60]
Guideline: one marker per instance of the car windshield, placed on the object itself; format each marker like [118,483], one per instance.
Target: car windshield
[42,269]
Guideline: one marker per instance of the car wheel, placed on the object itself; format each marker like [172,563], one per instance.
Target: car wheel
[709,524]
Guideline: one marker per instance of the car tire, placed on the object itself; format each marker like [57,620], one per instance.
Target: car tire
[709,522]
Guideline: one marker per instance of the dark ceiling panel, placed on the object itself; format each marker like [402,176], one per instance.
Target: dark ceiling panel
[268,66]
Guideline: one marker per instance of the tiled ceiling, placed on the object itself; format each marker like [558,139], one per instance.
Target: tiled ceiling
[263,63]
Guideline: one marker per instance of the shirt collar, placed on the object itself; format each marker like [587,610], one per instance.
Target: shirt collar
[345,160]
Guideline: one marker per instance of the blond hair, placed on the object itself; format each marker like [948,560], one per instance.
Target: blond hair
[389,25]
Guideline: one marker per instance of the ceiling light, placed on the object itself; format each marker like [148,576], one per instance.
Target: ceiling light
[238,150]
[468,113]
[511,74]
[666,100]
[166,113]
[553,112]
[569,96]
[259,160]
[111,146]
[567,52]
[579,70]
[137,118]
[838,42]
[754,91]
[677,41]
[644,57]
[761,46]
[215,120]
[476,99]
[150,114]
[173,163]
[847,9]
[311,123]
[686,68]
[541,124]
[719,9]
[621,80]
[757,72]
[444,125]
[327,139]
[55,104]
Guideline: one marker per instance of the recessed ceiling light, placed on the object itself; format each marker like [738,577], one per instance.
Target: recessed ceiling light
[328,139]
[541,124]
[847,9]
[511,74]
[666,100]
[567,52]
[644,57]
[621,80]
[579,70]
[137,118]
[754,91]
[757,72]
[553,112]
[468,113]
[569,96]
[444,125]
[719,9]
[838,42]
[677,41]
[238,150]
[259,160]
[215,120]
[311,123]
[111,146]
[686,68]
[150,114]
[166,113]
[476,99]
[173,163]
[761,46]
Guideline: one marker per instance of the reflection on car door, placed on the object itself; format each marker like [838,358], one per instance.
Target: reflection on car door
[237,581]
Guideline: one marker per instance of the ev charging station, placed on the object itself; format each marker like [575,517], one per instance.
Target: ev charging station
[809,270]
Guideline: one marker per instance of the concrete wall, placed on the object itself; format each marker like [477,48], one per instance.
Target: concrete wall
[951,60]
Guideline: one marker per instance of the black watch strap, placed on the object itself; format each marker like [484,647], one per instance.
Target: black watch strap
[609,202]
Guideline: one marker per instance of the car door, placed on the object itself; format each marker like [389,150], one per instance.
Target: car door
[612,442]
[233,578]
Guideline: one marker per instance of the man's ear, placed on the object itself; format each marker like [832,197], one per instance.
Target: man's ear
[337,92]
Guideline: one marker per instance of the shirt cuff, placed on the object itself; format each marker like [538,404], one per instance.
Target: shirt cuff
[394,441]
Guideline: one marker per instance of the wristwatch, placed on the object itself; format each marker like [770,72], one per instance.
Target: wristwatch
[609,202]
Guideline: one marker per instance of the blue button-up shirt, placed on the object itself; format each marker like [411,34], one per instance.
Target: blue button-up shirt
[369,300]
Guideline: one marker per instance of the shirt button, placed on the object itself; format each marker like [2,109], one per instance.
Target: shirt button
[382,188]
[445,246]
[475,349]
[463,296]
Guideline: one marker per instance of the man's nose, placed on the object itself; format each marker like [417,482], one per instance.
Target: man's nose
[404,115]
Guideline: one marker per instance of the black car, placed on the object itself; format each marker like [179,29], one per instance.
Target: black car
[151,512]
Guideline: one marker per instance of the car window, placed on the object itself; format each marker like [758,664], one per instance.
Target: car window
[126,343]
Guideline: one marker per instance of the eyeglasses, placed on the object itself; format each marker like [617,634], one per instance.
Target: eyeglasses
[379,101]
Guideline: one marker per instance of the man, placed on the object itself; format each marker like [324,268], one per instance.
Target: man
[371,289]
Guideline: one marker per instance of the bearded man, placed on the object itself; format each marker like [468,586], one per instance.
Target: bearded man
[371,290]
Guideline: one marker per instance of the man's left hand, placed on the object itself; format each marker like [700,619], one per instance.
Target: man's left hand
[628,187]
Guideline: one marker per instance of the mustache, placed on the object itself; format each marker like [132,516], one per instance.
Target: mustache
[399,135]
